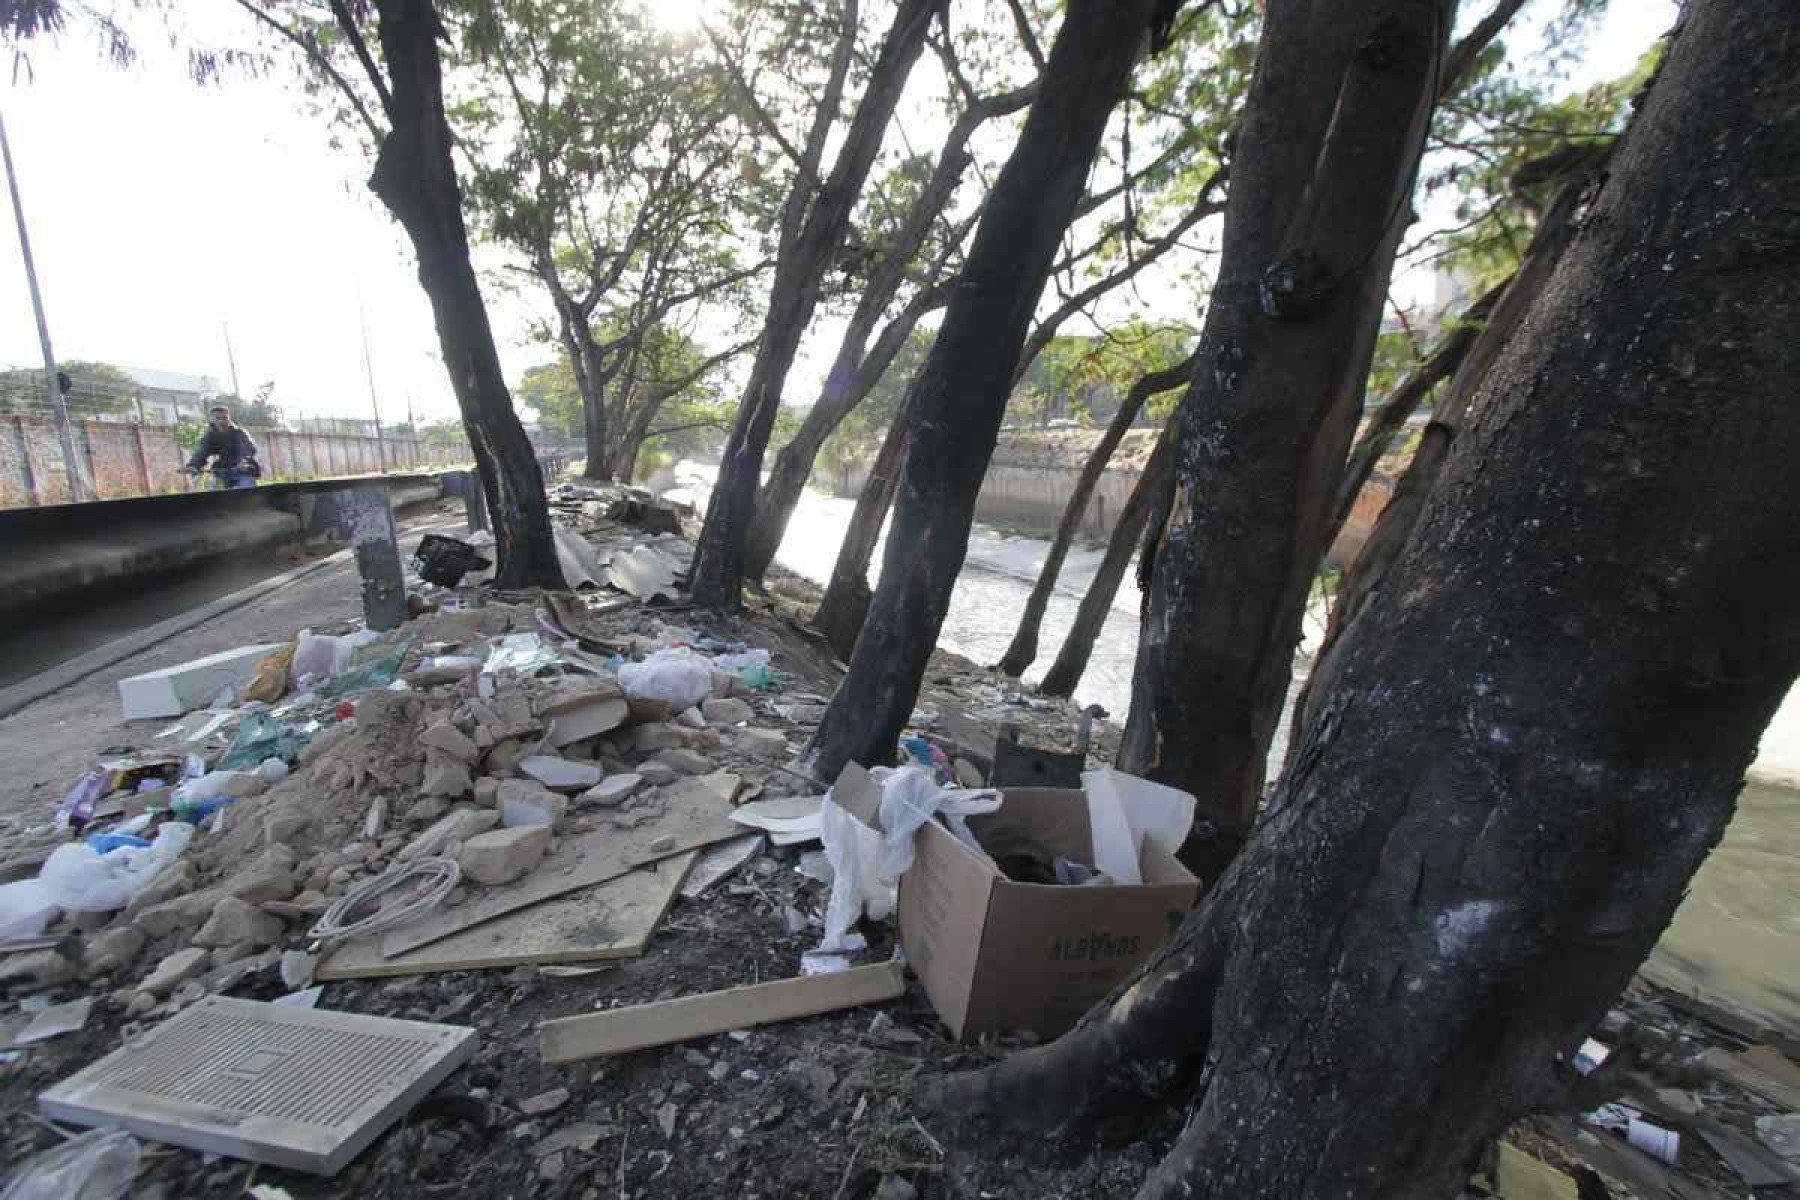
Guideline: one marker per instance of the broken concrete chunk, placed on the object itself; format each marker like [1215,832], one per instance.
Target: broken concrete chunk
[726,710]
[113,950]
[500,856]
[179,915]
[657,773]
[487,792]
[690,718]
[424,812]
[270,876]
[612,790]
[503,757]
[236,921]
[451,740]
[297,969]
[560,773]
[687,762]
[445,776]
[524,802]
[177,968]
[171,881]
[766,744]
[544,1102]
[457,825]
[285,825]
[577,718]
[37,968]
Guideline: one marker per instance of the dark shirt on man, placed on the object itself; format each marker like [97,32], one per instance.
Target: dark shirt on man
[232,446]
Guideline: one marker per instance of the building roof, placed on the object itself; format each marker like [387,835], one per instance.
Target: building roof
[172,381]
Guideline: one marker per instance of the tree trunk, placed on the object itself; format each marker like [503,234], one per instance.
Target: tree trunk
[845,604]
[1023,648]
[956,402]
[719,557]
[1332,135]
[1096,604]
[1515,774]
[415,177]
[1387,421]
[1506,307]
[853,376]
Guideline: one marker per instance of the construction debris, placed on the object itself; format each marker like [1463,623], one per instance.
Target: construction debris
[670,1021]
[294,1087]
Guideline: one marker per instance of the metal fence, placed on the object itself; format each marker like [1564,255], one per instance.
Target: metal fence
[128,459]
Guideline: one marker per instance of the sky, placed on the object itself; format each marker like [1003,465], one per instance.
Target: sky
[168,220]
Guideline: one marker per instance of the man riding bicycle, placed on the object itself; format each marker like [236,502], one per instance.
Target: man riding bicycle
[233,453]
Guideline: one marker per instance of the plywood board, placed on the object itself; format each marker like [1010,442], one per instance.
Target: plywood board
[300,1088]
[667,1021]
[610,920]
[692,816]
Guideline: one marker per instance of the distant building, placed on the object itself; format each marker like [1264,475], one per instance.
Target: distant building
[169,397]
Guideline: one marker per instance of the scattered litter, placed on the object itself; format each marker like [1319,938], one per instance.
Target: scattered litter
[520,652]
[300,1088]
[679,677]
[78,878]
[97,1165]
[720,862]
[667,1021]
[357,914]
[55,1021]
[644,572]
[307,998]
[445,560]
[25,909]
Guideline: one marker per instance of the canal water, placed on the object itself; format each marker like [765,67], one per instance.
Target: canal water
[1737,935]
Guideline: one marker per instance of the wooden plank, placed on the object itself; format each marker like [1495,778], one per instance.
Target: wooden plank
[693,816]
[611,920]
[1747,1071]
[666,1021]
[1519,1176]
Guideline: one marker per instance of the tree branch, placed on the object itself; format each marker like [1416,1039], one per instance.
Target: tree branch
[319,59]
[347,22]
[1462,56]
[1027,36]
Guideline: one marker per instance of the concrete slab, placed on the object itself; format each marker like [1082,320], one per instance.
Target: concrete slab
[305,1089]
[175,690]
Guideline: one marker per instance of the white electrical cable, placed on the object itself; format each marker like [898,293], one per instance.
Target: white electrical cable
[339,921]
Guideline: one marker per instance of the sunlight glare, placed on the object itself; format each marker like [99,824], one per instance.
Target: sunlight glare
[676,16]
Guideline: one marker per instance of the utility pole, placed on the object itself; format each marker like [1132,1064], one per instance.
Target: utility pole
[369,369]
[231,360]
[78,485]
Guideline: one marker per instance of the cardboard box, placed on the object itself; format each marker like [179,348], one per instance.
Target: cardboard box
[995,954]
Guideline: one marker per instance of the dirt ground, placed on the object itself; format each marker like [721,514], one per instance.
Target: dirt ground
[833,1107]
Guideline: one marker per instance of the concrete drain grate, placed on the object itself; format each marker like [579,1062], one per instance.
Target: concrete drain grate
[305,1089]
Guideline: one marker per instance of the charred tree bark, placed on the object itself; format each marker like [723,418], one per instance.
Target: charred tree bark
[1514,776]
[956,402]
[719,557]
[1333,131]
[1363,582]
[1090,616]
[1023,649]
[845,605]
[415,177]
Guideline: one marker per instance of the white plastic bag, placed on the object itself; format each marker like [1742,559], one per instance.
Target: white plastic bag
[680,676]
[25,908]
[867,865]
[77,878]
[911,796]
[321,655]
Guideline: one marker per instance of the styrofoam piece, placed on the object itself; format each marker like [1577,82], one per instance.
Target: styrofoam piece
[300,1088]
[175,690]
